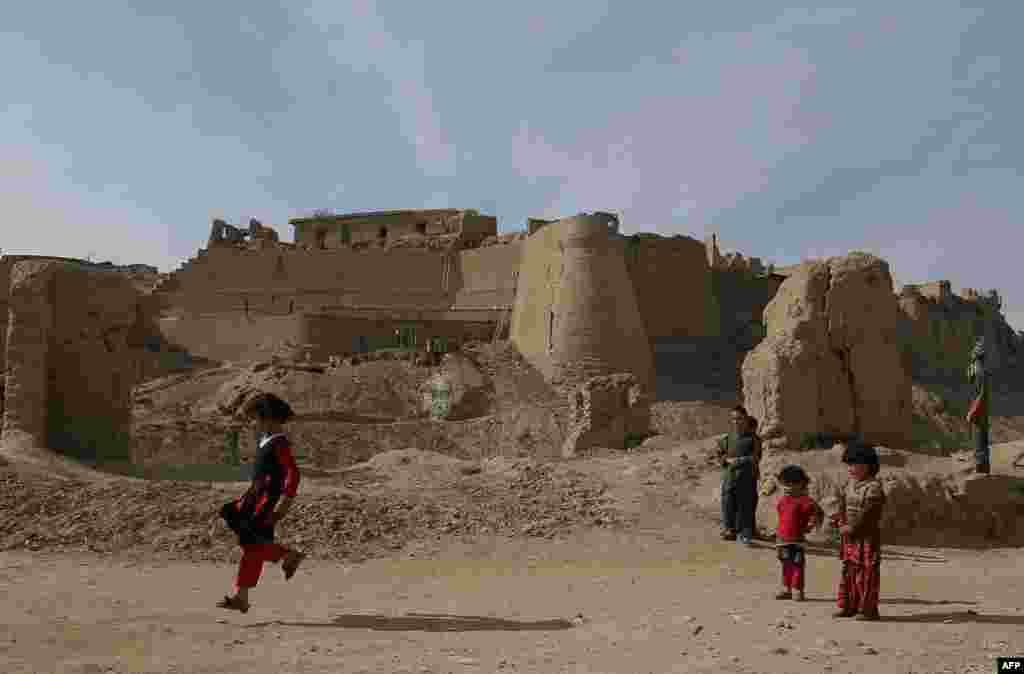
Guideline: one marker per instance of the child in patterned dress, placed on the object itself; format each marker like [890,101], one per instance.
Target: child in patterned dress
[859,520]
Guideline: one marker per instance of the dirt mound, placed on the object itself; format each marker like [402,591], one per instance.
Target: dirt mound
[939,412]
[931,500]
[691,420]
[404,468]
[373,391]
[358,518]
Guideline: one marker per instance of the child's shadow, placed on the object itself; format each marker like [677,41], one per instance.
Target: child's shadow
[428,622]
[956,617]
[825,550]
[908,601]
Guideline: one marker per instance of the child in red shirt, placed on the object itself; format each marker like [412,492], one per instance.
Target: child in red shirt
[253,517]
[798,514]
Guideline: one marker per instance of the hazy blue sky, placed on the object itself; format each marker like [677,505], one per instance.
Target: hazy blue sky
[891,127]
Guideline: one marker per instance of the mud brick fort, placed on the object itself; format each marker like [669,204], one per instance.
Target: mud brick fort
[576,298]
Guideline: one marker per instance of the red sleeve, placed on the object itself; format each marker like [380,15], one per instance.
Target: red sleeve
[291,470]
[810,509]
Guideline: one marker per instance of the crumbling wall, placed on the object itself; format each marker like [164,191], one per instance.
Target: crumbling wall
[831,362]
[233,336]
[575,315]
[673,286]
[742,299]
[489,275]
[70,368]
[603,411]
[938,330]
[226,279]
[5,284]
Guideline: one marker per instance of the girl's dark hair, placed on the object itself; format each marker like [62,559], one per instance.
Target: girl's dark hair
[856,452]
[793,475]
[268,406]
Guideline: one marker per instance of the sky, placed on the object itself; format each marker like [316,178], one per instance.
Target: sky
[791,132]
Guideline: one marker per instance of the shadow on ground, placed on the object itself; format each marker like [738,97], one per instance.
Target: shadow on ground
[428,622]
[901,601]
[820,550]
[957,617]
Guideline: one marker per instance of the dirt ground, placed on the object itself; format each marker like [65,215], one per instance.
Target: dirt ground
[662,595]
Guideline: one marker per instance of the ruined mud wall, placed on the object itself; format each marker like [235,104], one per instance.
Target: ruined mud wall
[233,336]
[831,362]
[71,368]
[341,335]
[375,228]
[575,314]
[5,285]
[673,286]
[298,280]
[938,329]
[489,275]
[742,298]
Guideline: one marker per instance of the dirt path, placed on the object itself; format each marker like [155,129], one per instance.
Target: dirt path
[672,601]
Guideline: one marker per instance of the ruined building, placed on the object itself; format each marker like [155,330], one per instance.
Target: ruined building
[71,335]
[575,295]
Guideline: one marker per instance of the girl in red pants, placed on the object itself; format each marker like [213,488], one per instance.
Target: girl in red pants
[798,514]
[253,517]
[860,549]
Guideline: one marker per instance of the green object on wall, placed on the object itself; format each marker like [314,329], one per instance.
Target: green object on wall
[232,453]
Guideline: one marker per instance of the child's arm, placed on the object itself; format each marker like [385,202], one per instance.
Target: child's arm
[291,481]
[817,516]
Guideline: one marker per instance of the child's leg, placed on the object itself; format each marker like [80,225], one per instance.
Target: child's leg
[728,506]
[797,577]
[855,587]
[786,591]
[844,600]
[870,582]
[788,568]
[251,565]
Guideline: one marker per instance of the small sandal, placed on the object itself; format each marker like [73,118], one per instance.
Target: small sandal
[291,564]
[233,604]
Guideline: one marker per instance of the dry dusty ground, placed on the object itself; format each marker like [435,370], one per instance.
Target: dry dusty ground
[664,595]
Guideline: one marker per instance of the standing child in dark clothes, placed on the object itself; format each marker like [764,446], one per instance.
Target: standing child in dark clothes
[253,517]
[737,453]
[859,520]
[798,514]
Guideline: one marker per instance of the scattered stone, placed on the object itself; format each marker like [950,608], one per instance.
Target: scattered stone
[697,630]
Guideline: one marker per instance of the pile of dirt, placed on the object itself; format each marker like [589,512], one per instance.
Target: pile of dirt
[931,500]
[691,420]
[940,410]
[354,520]
[413,468]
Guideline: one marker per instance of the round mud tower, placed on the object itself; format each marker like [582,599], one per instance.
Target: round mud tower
[576,314]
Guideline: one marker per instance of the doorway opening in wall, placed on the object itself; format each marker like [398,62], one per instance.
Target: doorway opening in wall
[345,233]
[321,239]
[421,228]
[382,233]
